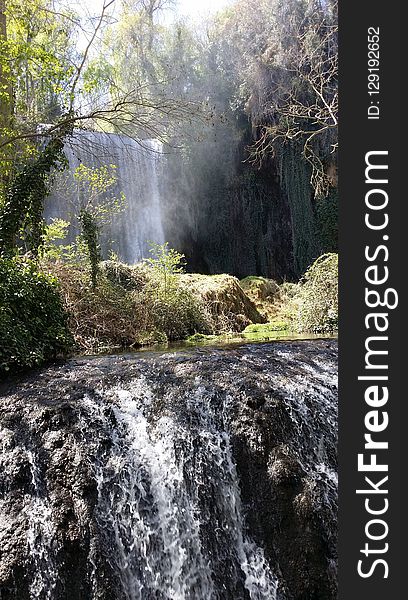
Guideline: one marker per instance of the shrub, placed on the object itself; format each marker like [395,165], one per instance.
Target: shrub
[131,278]
[33,326]
[178,314]
[165,266]
[104,318]
[127,309]
[317,299]
[174,309]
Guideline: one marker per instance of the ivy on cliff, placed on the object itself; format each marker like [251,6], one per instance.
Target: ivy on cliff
[21,214]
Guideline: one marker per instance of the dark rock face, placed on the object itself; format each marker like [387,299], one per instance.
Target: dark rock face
[201,475]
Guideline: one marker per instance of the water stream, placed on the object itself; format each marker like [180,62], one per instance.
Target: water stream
[175,476]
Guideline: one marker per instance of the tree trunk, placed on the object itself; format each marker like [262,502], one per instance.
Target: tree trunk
[6,98]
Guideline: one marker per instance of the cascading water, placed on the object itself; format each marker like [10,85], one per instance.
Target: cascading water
[138,171]
[205,475]
[153,501]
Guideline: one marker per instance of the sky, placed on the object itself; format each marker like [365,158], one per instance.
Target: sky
[191,8]
[196,10]
[196,7]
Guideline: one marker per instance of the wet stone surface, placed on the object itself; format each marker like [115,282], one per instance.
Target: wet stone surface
[207,474]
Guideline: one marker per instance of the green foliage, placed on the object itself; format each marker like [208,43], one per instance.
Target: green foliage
[33,326]
[39,50]
[54,233]
[21,213]
[96,186]
[90,234]
[317,299]
[99,202]
[165,265]
[327,218]
[175,310]
[36,66]
[178,314]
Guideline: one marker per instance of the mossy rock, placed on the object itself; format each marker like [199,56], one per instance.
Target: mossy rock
[229,305]
[260,288]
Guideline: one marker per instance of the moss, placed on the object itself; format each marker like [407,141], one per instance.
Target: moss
[230,307]
[295,174]
[260,288]
[259,332]
[275,325]
[201,337]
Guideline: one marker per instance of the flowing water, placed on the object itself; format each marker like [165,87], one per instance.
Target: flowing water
[172,476]
[139,167]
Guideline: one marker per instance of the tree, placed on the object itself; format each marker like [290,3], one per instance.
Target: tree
[281,59]
[98,205]
[303,101]
[166,264]
[83,100]
[21,212]
[47,75]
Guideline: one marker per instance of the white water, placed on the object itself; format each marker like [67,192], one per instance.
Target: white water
[40,537]
[160,438]
[138,169]
[152,487]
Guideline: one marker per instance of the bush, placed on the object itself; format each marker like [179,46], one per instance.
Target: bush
[179,314]
[103,319]
[317,299]
[33,325]
[130,278]
[127,309]
[174,309]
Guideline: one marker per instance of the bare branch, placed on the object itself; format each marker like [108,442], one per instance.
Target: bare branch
[87,49]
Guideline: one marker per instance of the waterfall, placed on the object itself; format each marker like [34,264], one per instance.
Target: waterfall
[205,475]
[41,537]
[139,167]
[153,502]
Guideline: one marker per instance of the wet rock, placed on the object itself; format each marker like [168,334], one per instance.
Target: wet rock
[254,425]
